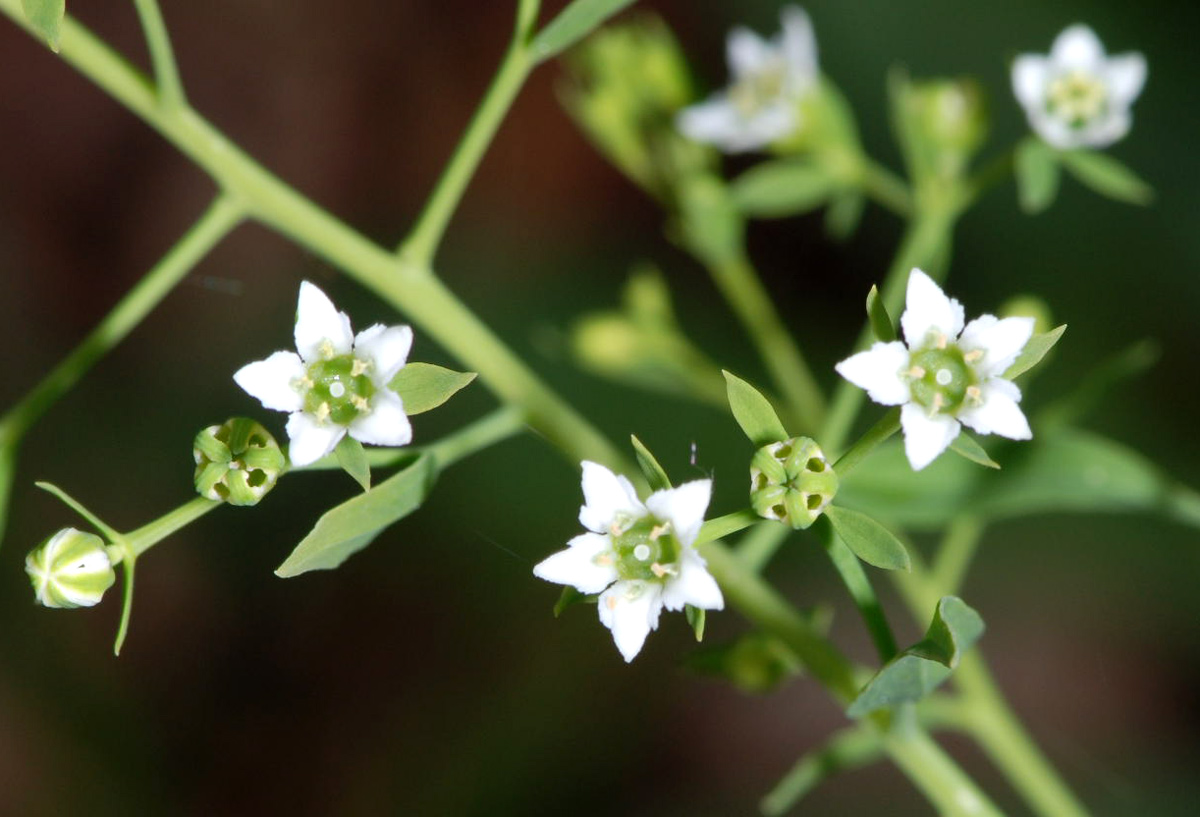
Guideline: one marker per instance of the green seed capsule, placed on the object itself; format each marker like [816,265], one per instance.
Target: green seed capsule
[791,481]
[237,462]
[70,569]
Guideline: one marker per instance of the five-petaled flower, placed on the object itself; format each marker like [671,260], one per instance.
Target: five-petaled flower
[1078,97]
[337,384]
[947,376]
[769,80]
[639,557]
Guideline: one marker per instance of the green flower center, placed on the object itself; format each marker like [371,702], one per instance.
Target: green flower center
[340,389]
[754,92]
[941,379]
[1076,97]
[646,550]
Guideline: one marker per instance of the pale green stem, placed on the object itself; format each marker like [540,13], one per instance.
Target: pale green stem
[940,779]
[723,526]
[955,553]
[849,749]
[759,545]
[483,433]
[887,425]
[162,57]
[422,242]
[851,571]
[740,285]
[149,535]
[220,218]
[885,187]
[8,457]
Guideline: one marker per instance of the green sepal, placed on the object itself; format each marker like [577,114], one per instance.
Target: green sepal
[968,447]
[424,386]
[753,412]
[654,473]
[353,459]
[1037,173]
[349,527]
[127,567]
[696,617]
[781,188]
[1106,176]
[46,17]
[1035,349]
[756,662]
[917,671]
[882,325]
[844,213]
[870,541]
[572,24]
[569,597]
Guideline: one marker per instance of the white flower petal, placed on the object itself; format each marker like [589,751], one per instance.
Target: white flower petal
[998,413]
[385,424]
[1105,131]
[310,440]
[630,610]
[1077,47]
[798,44]
[999,340]
[1030,73]
[694,585]
[713,121]
[746,52]
[578,565]
[605,495]
[386,347]
[317,321]
[684,507]
[878,371]
[926,437]
[1054,131]
[928,310]
[1126,74]
[270,381]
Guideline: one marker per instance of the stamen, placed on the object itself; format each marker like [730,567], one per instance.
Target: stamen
[662,570]
[603,559]
[325,349]
[975,395]
[611,601]
[322,412]
[359,402]
[658,530]
[940,340]
[358,367]
[973,356]
[916,372]
[936,405]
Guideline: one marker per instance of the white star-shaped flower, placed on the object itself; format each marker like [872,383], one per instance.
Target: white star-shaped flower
[1078,97]
[769,79]
[337,384]
[639,557]
[946,376]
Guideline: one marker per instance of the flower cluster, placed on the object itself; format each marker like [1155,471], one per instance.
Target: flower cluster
[639,557]
[335,382]
[946,376]
[769,80]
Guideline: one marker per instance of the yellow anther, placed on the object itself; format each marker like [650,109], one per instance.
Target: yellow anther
[975,394]
[658,530]
[359,402]
[973,356]
[322,412]
[916,372]
[358,367]
[611,601]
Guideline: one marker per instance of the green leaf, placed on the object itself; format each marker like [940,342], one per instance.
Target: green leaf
[655,475]
[1037,171]
[423,386]
[46,16]
[753,412]
[756,662]
[695,618]
[127,565]
[780,188]
[353,459]
[870,541]
[881,321]
[572,24]
[967,446]
[570,597]
[917,671]
[1034,351]
[1106,176]
[348,528]
[843,214]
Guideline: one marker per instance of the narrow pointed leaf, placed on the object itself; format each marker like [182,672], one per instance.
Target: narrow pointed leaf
[967,446]
[1106,176]
[753,412]
[424,386]
[1034,351]
[655,475]
[46,16]
[781,188]
[844,213]
[1037,172]
[572,24]
[847,750]
[570,597]
[881,322]
[353,459]
[695,619]
[347,528]
[127,565]
[870,541]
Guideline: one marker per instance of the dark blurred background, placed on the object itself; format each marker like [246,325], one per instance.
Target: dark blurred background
[427,676]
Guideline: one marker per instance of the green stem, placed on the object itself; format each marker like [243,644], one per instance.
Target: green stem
[723,526]
[162,57]
[885,187]
[220,218]
[479,435]
[886,426]
[849,749]
[850,570]
[740,285]
[422,242]
[759,545]
[149,535]
[955,553]
[938,777]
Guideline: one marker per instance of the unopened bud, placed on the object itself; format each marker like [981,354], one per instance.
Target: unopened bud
[70,569]
[792,482]
[237,462]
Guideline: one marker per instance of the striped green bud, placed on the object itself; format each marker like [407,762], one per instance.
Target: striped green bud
[70,569]
[237,462]
[792,482]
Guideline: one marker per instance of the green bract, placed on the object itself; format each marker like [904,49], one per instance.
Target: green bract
[70,569]
[236,462]
[791,481]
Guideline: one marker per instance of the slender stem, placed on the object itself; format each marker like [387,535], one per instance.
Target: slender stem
[759,545]
[162,57]
[940,779]
[848,749]
[850,570]
[422,242]
[723,526]
[886,426]
[885,187]
[151,534]
[8,456]
[479,435]
[955,553]
[220,218]
[742,288]
[993,173]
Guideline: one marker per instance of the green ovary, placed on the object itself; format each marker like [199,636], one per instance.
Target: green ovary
[647,550]
[940,379]
[341,391]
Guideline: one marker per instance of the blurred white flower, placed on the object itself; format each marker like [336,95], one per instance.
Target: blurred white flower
[1076,96]
[768,80]
[639,558]
[946,376]
[337,384]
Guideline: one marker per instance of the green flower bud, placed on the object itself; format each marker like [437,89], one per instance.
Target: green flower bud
[943,123]
[70,569]
[237,462]
[791,481]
